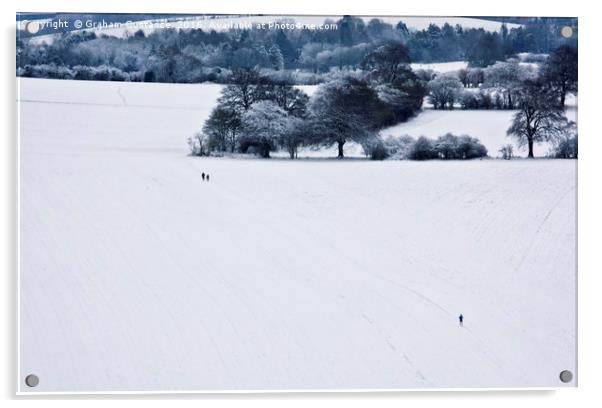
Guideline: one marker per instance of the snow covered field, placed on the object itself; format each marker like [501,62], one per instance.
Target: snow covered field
[277,274]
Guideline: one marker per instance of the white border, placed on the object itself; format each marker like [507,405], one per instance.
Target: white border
[589,204]
[20,377]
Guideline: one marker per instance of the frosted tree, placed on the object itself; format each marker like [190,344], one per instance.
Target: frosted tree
[294,135]
[507,78]
[444,90]
[264,125]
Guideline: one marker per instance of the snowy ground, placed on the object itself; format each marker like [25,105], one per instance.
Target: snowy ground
[277,274]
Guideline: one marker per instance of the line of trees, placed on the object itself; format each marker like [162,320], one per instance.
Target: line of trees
[445,147]
[498,86]
[194,55]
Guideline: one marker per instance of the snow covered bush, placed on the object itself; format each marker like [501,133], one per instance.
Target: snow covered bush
[399,148]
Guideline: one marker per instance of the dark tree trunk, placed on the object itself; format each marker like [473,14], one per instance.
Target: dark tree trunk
[341,155]
[562,98]
[530,142]
[265,151]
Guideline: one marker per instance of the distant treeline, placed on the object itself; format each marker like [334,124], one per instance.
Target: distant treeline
[194,55]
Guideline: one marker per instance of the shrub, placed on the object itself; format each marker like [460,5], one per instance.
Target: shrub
[378,151]
[470,148]
[423,149]
[476,100]
[506,151]
[567,148]
[399,147]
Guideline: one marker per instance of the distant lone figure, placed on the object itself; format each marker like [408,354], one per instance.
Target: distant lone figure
[207,176]
[461,319]
[203,175]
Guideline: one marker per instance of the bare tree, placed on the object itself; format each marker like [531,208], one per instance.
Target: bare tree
[246,88]
[538,118]
[387,61]
[345,109]
[222,127]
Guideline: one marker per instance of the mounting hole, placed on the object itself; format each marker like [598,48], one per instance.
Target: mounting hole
[566,32]
[566,376]
[32,27]
[32,380]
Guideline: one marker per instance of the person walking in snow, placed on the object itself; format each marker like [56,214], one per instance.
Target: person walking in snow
[461,319]
[203,175]
[207,176]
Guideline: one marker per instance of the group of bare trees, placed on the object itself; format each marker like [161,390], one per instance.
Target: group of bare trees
[258,114]
[253,112]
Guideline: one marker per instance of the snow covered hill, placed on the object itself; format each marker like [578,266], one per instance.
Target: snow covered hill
[277,274]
